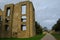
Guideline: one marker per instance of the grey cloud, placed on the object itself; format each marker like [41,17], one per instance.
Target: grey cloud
[48,10]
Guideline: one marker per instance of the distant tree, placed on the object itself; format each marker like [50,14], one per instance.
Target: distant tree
[45,29]
[38,28]
[56,27]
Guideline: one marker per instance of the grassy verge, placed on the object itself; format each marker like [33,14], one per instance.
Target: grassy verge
[57,36]
[37,37]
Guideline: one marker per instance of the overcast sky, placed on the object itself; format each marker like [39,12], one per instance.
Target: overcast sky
[47,12]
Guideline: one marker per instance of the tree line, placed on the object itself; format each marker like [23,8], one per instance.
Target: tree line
[38,28]
[56,26]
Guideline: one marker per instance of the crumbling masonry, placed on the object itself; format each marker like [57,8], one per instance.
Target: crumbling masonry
[17,22]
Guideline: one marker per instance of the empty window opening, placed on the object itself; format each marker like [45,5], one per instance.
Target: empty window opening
[8,12]
[24,9]
[0,18]
[6,20]
[23,18]
[23,27]
[6,27]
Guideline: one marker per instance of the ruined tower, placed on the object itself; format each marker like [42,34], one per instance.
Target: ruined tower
[19,20]
[7,20]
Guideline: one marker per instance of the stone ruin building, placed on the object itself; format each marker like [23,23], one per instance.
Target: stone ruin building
[17,20]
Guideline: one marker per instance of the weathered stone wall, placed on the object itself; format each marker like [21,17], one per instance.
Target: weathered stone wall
[1,22]
[8,20]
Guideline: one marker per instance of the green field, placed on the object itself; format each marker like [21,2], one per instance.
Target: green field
[37,37]
[57,36]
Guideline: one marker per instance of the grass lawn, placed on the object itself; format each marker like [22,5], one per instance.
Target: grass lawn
[37,37]
[57,36]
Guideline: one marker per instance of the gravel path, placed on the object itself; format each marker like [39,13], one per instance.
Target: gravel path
[48,37]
